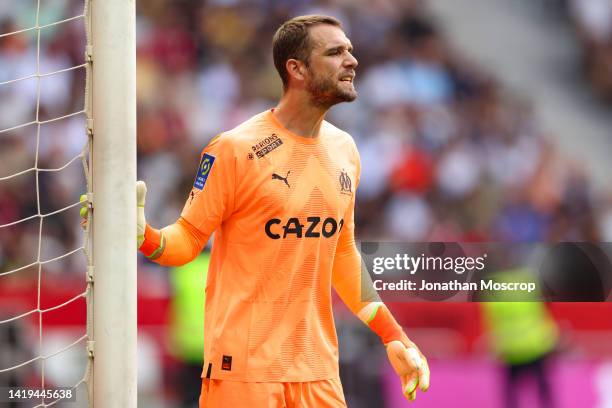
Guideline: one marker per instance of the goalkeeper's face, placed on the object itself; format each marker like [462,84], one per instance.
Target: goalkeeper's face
[330,67]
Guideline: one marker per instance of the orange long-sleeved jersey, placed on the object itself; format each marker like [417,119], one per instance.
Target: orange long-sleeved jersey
[281,207]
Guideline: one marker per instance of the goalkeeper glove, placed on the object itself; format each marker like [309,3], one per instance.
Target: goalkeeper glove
[410,365]
[154,240]
[405,357]
[141,222]
[150,241]
[84,210]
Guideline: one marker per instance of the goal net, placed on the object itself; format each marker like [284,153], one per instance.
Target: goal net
[50,270]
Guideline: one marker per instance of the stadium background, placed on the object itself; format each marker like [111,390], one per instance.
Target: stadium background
[448,154]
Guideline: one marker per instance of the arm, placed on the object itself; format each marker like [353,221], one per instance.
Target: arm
[352,282]
[209,203]
[354,286]
[174,245]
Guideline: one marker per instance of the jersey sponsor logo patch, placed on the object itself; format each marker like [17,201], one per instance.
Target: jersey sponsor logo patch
[312,227]
[203,171]
[266,145]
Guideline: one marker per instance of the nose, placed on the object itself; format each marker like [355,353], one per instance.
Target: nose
[350,61]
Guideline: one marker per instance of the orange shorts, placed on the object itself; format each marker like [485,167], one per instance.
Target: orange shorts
[314,394]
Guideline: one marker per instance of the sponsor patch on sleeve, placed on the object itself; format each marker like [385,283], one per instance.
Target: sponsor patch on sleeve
[203,171]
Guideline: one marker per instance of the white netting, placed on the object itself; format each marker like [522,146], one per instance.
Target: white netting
[45,262]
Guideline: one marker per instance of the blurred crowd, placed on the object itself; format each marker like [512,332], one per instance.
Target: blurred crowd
[447,153]
[592,21]
[55,144]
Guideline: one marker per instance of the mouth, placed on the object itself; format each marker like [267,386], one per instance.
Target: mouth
[347,78]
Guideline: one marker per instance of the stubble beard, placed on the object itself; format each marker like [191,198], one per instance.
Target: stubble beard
[325,92]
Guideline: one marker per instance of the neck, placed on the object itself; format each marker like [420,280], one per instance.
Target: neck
[297,114]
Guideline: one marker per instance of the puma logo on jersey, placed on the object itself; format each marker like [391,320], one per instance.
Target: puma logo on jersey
[277,177]
[314,227]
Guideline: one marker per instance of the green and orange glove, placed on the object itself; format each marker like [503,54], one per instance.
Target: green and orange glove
[405,357]
[83,212]
[410,365]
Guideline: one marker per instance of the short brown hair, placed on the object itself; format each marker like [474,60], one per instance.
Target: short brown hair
[292,41]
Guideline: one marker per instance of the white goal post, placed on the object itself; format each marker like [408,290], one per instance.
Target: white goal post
[113,157]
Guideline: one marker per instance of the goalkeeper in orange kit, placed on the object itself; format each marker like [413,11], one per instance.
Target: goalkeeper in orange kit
[278,191]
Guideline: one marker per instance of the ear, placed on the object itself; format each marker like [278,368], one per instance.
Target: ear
[296,69]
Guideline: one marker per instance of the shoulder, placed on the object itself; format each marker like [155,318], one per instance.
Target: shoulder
[247,134]
[241,142]
[340,139]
